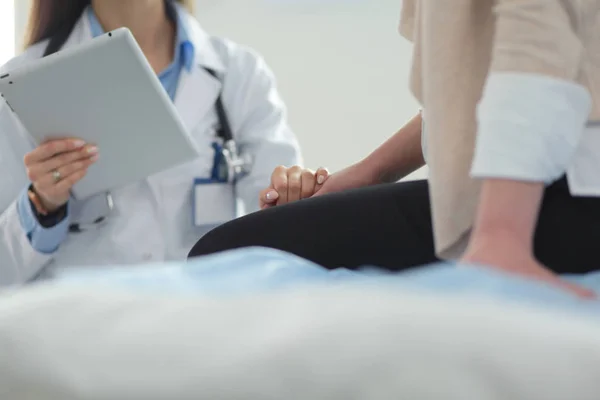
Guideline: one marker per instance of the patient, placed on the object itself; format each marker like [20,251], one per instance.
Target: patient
[510,141]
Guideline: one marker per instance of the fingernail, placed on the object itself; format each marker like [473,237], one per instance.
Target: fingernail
[272,195]
[92,150]
[320,179]
[78,143]
[94,158]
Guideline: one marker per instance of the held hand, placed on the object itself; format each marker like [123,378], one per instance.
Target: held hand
[55,166]
[355,176]
[292,184]
[352,177]
[513,258]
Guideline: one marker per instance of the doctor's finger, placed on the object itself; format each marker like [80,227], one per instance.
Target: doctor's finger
[322,174]
[268,198]
[51,148]
[294,184]
[279,182]
[309,182]
[85,154]
[64,186]
[65,172]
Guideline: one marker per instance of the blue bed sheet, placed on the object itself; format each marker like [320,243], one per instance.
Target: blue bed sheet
[258,270]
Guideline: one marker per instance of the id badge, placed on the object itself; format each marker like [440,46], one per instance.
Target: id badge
[214,202]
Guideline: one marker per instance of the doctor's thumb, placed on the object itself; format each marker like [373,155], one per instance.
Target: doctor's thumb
[322,174]
[268,198]
[271,196]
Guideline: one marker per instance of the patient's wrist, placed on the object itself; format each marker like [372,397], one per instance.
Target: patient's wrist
[390,176]
[372,171]
[399,156]
[379,172]
[508,210]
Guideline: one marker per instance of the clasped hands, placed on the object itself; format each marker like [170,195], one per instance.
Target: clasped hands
[498,250]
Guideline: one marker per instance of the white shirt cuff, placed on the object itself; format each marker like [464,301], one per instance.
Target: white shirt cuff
[528,127]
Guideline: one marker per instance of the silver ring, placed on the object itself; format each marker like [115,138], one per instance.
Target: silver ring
[56,176]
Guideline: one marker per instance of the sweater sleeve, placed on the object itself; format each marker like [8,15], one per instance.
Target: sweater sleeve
[533,110]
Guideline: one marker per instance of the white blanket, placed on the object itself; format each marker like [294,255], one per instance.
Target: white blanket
[311,344]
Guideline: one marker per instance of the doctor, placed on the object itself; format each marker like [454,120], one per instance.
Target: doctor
[225,95]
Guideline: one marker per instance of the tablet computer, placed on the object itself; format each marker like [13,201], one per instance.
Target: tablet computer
[105,92]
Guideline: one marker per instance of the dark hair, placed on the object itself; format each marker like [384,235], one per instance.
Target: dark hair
[51,17]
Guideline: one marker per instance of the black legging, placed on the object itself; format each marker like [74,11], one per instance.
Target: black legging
[389,226]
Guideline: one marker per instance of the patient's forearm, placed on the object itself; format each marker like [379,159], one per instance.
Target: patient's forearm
[398,156]
[508,209]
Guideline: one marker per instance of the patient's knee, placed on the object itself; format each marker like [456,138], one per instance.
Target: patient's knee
[221,238]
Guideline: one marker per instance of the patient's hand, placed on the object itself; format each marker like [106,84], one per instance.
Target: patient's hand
[292,184]
[513,258]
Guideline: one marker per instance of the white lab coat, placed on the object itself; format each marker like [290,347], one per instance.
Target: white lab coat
[152,219]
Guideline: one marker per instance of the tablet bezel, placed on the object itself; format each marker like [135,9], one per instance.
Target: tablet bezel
[171,146]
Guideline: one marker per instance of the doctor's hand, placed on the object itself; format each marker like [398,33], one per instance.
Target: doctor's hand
[55,166]
[292,184]
[355,176]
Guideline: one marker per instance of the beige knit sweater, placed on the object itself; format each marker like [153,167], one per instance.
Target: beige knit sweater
[457,44]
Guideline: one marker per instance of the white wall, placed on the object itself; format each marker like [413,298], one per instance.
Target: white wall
[7,33]
[21,13]
[342,68]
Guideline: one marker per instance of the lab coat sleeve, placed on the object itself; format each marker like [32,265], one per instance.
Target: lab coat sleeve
[19,261]
[44,240]
[533,111]
[262,130]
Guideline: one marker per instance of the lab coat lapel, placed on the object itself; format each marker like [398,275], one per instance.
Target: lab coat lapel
[198,90]
[196,95]
[80,34]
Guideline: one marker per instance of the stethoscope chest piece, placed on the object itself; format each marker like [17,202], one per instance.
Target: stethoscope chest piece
[91,213]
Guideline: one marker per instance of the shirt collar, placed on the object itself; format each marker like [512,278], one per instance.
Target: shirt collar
[184,50]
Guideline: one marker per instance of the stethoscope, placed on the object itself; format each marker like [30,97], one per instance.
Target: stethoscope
[229,164]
